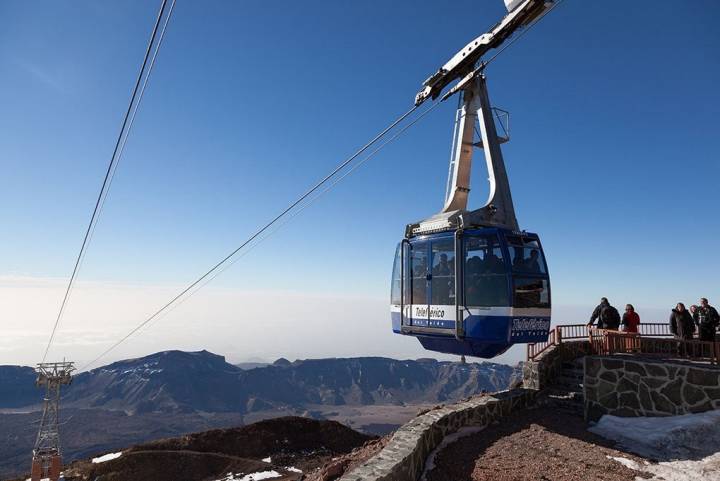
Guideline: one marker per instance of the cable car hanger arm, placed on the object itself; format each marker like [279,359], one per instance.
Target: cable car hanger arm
[463,63]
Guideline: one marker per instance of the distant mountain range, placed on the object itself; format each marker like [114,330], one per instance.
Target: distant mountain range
[17,387]
[173,392]
[185,382]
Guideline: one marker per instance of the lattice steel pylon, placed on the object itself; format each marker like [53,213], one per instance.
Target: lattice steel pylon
[47,457]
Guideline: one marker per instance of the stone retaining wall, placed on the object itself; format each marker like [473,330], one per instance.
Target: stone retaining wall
[403,459]
[540,373]
[624,386]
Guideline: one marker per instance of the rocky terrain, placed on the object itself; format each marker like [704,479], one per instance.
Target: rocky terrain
[173,393]
[282,448]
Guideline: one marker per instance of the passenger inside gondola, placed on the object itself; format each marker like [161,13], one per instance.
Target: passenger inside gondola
[532,264]
[485,278]
[418,267]
[528,259]
[443,274]
[443,267]
[494,263]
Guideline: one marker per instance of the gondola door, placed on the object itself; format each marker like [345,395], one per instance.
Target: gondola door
[432,284]
[419,285]
[441,276]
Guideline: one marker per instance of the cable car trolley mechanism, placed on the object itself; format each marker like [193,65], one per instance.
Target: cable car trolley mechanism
[470,282]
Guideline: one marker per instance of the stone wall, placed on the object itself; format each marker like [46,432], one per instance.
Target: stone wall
[625,386]
[403,459]
[540,373]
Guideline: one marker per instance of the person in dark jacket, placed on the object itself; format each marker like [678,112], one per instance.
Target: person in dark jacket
[607,316]
[630,319]
[707,319]
[682,323]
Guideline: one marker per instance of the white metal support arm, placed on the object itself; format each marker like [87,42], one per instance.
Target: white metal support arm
[498,209]
[464,62]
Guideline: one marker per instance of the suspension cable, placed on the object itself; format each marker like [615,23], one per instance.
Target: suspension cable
[295,213]
[303,201]
[128,119]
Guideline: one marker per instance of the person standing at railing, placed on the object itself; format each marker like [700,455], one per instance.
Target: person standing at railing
[630,319]
[607,316]
[682,324]
[707,319]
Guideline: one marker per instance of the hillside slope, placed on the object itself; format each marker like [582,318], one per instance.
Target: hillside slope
[288,446]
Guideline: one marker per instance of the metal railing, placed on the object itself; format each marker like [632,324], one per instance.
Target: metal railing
[557,335]
[573,331]
[653,338]
[604,341]
[607,342]
[534,349]
[655,329]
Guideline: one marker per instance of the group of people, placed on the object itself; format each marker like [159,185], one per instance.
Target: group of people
[683,322]
[702,318]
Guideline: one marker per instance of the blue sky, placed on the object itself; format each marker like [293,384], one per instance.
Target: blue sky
[613,158]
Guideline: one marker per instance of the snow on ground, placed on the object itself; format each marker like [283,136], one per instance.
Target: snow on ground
[251,477]
[687,447]
[106,457]
[266,460]
[706,469]
[664,438]
[293,469]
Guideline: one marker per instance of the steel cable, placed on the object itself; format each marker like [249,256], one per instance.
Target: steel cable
[128,119]
[222,265]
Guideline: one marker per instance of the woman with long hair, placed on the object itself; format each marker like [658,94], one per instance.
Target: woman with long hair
[681,322]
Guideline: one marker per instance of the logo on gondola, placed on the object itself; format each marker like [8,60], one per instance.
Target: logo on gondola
[530,324]
[522,328]
[433,312]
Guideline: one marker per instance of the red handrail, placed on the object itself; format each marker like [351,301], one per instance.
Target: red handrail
[534,349]
[573,331]
[631,342]
[606,342]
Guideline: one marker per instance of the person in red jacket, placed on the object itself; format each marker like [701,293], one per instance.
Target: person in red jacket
[630,319]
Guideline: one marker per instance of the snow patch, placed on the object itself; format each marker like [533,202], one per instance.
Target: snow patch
[252,476]
[706,469]
[689,436]
[266,460]
[106,457]
[61,478]
[293,469]
[687,446]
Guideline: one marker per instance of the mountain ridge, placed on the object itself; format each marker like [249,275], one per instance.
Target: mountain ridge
[201,381]
[171,393]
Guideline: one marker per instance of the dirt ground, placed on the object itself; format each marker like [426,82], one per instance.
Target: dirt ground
[533,444]
[343,464]
[275,444]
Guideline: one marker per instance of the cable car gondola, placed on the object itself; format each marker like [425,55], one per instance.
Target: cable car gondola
[471,282]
